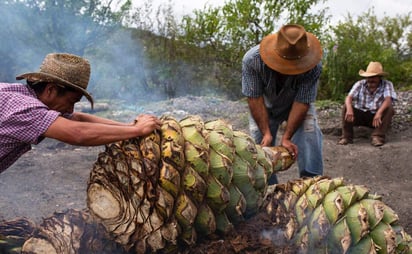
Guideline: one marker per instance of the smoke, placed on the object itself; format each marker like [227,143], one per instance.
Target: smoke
[276,236]
[28,33]
[129,65]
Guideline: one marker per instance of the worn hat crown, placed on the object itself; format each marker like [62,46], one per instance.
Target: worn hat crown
[64,69]
[373,69]
[291,50]
[292,43]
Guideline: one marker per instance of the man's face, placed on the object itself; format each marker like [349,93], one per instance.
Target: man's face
[373,81]
[63,103]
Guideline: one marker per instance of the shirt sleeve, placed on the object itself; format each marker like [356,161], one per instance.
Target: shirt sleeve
[26,122]
[389,90]
[252,84]
[308,85]
[354,91]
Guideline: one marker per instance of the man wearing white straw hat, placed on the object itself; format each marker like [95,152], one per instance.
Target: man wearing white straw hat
[44,108]
[369,103]
[280,78]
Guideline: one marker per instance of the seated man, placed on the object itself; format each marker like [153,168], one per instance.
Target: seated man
[369,103]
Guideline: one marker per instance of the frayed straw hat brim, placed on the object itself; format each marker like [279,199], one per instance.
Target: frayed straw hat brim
[64,69]
[39,76]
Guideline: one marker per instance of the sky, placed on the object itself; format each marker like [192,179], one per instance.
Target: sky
[337,8]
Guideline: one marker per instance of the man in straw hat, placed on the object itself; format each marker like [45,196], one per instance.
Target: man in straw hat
[369,103]
[44,108]
[280,78]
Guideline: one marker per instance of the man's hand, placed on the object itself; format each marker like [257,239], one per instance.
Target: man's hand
[377,120]
[147,123]
[292,148]
[349,117]
[267,140]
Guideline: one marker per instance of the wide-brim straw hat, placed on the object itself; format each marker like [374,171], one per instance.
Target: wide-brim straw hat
[64,69]
[291,50]
[374,69]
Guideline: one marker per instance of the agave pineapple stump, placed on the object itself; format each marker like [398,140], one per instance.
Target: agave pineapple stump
[195,179]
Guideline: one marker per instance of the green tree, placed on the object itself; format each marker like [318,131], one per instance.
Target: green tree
[91,28]
[356,42]
[30,28]
[227,32]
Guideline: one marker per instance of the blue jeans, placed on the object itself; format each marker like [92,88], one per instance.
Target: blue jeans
[308,138]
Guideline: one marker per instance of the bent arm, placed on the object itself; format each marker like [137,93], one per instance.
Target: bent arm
[260,115]
[377,120]
[83,117]
[349,117]
[94,134]
[296,117]
[386,104]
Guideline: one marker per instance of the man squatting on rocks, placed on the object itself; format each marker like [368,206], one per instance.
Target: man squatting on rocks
[280,78]
[369,103]
[44,108]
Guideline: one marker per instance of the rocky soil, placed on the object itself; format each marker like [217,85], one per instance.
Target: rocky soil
[53,176]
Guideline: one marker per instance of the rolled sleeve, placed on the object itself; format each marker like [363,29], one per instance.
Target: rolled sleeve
[389,90]
[252,84]
[308,85]
[28,124]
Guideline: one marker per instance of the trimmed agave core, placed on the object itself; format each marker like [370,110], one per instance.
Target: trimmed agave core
[190,179]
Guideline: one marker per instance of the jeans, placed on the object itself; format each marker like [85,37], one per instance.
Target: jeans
[308,138]
[366,119]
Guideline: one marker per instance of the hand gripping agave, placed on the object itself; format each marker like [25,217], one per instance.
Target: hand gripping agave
[191,179]
[195,179]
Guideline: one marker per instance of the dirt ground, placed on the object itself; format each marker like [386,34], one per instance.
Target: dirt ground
[53,176]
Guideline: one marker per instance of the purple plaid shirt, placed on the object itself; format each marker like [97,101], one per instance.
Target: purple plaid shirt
[23,121]
[367,101]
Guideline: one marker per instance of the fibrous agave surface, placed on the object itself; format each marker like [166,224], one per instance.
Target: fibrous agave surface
[190,179]
[195,179]
[323,215]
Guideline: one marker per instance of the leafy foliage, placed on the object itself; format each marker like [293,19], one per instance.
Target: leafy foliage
[31,29]
[142,52]
[356,42]
[227,32]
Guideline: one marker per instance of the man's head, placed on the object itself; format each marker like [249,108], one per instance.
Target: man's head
[374,69]
[55,96]
[62,73]
[291,50]
[373,74]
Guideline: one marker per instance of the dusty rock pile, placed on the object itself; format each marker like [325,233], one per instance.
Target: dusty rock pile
[236,112]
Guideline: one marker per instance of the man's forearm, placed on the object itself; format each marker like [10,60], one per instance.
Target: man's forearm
[295,119]
[348,102]
[83,117]
[89,134]
[386,104]
[259,113]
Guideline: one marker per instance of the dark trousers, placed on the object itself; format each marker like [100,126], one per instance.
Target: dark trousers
[366,119]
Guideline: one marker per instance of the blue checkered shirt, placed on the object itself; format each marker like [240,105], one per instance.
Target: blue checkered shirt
[279,91]
[364,100]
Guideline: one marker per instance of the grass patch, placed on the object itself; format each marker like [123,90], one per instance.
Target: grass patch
[327,104]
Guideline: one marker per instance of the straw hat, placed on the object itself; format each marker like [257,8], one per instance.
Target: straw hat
[65,69]
[374,69]
[291,51]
